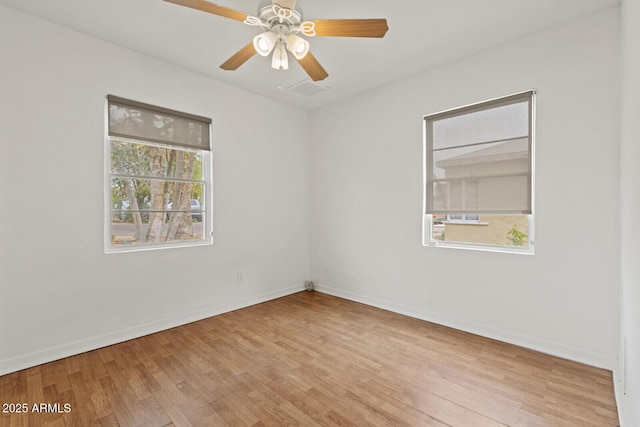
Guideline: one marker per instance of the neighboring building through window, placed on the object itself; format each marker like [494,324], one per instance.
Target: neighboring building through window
[478,190]
[158,177]
[463,218]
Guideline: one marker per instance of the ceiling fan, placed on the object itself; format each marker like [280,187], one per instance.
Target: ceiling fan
[282,23]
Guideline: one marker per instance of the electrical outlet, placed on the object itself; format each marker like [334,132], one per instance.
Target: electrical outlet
[240,277]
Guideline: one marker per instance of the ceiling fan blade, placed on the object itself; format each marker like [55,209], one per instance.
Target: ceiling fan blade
[351,27]
[205,6]
[313,68]
[289,4]
[239,58]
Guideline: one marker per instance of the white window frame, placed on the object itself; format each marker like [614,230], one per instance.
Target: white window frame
[207,193]
[428,219]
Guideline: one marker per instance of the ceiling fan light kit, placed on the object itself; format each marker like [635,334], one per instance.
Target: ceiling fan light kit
[298,46]
[264,43]
[280,60]
[282,23]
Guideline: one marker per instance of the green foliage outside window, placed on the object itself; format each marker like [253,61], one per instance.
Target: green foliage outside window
[517,237]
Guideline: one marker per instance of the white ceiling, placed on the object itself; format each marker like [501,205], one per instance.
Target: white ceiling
[422,34]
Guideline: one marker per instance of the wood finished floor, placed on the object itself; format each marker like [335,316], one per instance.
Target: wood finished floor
[311,359]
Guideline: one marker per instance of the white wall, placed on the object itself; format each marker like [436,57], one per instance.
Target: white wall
[59,293]
[366,197]
[628,387]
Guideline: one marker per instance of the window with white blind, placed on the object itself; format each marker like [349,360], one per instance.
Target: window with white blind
[479,174]
[157,177]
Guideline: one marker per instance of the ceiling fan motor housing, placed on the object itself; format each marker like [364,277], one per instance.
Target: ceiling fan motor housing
[280,20]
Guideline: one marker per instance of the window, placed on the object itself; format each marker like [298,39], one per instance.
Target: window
[478,187]
[158,177]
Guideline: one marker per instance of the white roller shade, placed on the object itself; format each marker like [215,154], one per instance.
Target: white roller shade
[135,120]
[479,158]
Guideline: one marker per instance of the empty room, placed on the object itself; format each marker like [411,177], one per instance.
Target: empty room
[309,212]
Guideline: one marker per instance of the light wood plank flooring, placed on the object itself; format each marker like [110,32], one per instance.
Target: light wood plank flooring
[310,359]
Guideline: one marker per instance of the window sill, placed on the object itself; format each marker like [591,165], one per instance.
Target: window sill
[152,247]
[465,223]
[479,247]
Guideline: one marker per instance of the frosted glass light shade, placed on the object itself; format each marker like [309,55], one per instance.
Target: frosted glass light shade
[264,43]
[298,46]
[280,61]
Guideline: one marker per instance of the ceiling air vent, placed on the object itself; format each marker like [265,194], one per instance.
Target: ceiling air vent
[308,88]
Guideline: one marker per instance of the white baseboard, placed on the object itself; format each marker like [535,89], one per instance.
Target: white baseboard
[550,348]
[70,349]
[49,355]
